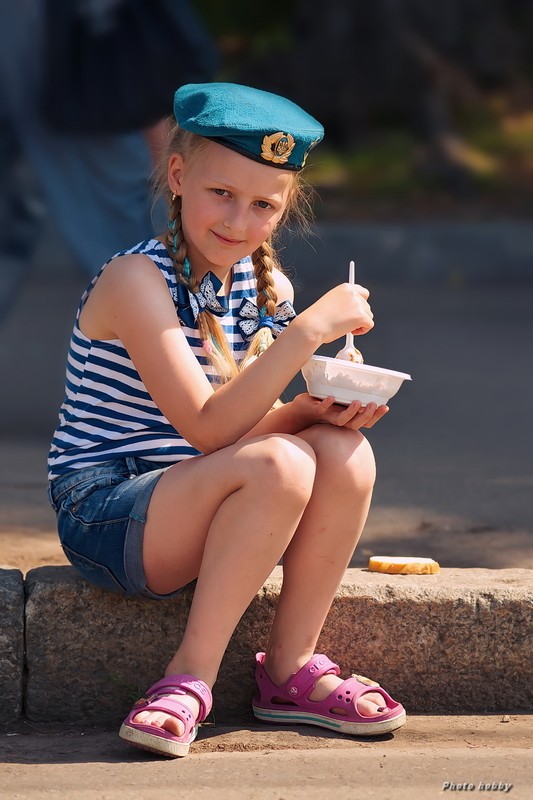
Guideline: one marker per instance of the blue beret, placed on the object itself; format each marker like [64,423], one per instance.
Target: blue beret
[258,124]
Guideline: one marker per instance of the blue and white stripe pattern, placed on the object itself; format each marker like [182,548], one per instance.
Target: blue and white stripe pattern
[107,412]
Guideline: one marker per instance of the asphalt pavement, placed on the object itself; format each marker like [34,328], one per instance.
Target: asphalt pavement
[431,757]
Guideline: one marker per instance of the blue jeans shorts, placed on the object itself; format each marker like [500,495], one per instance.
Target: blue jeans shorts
[101,512]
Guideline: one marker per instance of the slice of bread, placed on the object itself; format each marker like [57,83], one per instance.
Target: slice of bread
[403,565]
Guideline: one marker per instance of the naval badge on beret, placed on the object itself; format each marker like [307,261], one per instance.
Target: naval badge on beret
[260,125]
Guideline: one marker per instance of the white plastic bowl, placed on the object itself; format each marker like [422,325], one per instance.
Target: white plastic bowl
[346,381]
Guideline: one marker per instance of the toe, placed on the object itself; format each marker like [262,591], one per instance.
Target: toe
[168,722]
[159,720]
[372,704]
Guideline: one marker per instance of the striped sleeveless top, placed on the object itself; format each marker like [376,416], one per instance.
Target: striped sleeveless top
[107,412]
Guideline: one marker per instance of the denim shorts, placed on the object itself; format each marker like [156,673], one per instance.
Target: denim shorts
[101,513]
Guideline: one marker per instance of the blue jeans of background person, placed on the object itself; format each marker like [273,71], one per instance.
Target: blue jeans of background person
[96,188]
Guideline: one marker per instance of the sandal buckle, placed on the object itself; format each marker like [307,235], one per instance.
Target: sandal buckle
[366,681]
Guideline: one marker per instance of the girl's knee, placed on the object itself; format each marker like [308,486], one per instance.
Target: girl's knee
[364,463]
[344,455]
[287,462]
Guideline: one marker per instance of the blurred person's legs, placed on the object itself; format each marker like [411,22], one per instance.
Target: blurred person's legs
[21,217]
[96,188]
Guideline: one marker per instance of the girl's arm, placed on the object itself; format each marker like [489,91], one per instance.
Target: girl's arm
[131,302]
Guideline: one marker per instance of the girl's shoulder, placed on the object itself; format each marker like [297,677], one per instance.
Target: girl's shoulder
[129,266]
[283,286]
[127,262]
[154,249]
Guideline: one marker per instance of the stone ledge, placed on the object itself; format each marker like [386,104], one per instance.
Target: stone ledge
[457,641]
[11,643]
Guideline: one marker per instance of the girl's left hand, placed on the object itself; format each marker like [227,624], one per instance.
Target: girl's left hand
[353,416]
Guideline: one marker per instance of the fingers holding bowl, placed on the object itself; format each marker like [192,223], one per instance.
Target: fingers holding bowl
[358,416]
[354,416]
[378,414]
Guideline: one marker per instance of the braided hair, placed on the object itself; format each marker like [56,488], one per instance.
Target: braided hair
[211,332]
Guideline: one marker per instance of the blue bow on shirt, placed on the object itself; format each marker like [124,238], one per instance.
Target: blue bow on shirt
[251,318]
[190,304]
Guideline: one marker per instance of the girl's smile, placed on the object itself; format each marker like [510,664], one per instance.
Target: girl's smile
[226,240]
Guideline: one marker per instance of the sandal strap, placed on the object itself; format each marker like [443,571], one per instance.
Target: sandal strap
[302,682]
[185,684]
[172,707]
[168,706]
[352,689]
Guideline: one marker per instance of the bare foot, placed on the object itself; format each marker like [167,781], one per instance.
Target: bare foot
[166,721]
[369,705]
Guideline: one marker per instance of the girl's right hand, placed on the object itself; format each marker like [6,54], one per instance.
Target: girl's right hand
[344,308]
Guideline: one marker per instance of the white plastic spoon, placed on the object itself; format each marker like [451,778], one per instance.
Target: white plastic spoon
[349,352]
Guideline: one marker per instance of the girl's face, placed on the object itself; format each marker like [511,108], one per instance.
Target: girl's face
[229,205]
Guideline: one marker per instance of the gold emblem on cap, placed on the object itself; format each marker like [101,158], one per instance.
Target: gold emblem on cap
[277,148]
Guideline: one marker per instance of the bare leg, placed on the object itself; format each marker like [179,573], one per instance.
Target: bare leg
[319,553]
[243,504]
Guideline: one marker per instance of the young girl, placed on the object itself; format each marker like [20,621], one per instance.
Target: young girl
[173,460]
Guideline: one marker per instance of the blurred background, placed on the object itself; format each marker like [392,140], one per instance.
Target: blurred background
[424,179]
[428,107]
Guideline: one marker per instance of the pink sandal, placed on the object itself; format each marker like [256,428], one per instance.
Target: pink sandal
[289,704]
[159,740]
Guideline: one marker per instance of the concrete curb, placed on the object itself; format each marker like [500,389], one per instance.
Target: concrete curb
[458,641]
[11,643]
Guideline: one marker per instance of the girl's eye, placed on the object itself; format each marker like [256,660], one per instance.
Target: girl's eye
[221,192]
[263,204]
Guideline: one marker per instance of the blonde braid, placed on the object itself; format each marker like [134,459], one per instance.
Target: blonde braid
[175,241]
[216,345]
[264,261]
[211,332]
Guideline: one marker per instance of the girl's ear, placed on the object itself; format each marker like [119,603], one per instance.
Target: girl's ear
[175,172]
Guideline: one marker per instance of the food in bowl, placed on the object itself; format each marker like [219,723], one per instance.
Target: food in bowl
[347,381]
[351,354]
